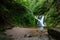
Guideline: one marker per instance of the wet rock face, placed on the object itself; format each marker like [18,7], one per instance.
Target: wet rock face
[54,33]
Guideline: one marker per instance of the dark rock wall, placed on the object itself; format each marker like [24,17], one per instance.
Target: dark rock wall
[54,33]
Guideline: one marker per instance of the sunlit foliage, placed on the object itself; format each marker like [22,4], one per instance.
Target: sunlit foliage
[22,12]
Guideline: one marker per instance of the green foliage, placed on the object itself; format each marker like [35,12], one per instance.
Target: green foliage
[53,16]
[10,13]
[30,19]
[22,12]
[31,6]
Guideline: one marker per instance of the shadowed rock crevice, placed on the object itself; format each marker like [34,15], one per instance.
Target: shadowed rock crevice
[55,33]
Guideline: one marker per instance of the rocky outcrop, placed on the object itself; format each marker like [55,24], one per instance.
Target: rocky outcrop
[27,34]
[55,33]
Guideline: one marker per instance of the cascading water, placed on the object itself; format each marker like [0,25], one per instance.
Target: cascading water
[40,22]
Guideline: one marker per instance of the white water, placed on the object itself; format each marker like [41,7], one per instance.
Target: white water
[40,22]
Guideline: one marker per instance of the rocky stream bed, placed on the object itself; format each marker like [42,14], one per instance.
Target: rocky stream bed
[17,33]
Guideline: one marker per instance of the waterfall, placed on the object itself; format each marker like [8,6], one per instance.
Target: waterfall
[40,22]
